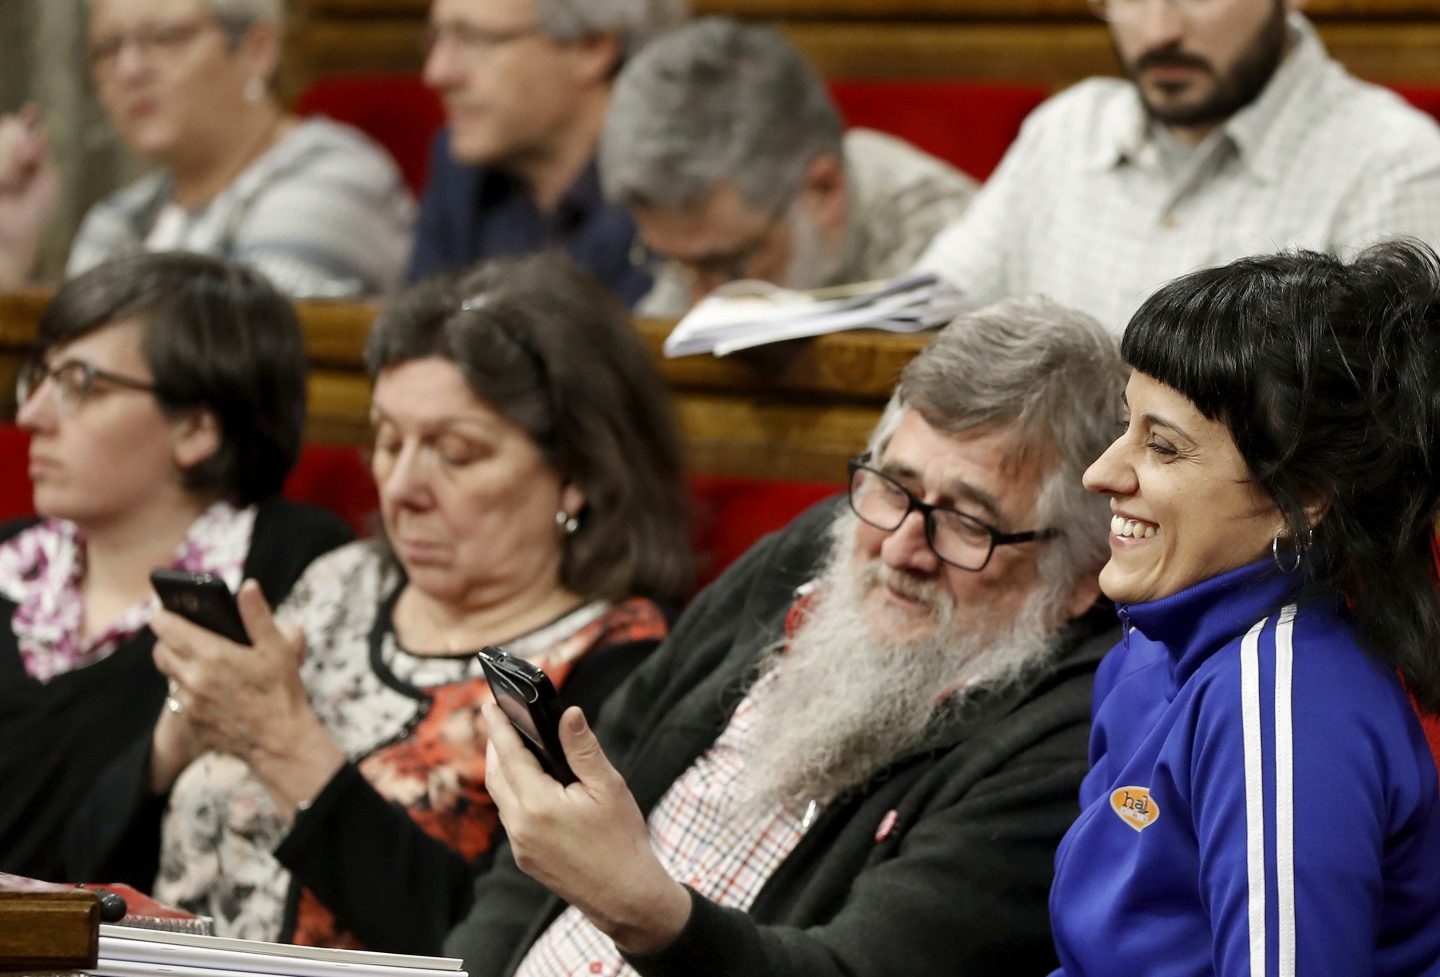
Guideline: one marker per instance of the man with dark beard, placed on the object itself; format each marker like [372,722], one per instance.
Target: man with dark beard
[1234,134]
[857,750]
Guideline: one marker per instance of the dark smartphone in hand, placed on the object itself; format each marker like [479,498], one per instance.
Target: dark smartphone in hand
[202,598]
[530,701]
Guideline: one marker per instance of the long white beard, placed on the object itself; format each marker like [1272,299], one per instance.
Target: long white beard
[844,700]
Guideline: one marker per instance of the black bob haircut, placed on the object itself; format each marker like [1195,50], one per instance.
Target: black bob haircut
[1327,376]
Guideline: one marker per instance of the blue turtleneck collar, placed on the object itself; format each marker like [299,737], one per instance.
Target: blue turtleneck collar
[1194,623]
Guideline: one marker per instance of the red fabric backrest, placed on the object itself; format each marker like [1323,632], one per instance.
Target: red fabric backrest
[1426,98]
[398,111]
[15,487]
[968,124]
[729,513]
[337,477]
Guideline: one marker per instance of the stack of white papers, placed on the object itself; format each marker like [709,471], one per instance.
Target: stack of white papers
[751,313]
[129,952]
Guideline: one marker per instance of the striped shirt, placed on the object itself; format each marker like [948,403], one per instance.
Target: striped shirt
[1261,800]
[323,214]
[1092,209]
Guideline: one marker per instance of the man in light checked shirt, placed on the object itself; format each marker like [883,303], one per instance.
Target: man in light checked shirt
[1234,134]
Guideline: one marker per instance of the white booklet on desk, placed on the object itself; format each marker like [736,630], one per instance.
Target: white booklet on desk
[130,952]
[751,313]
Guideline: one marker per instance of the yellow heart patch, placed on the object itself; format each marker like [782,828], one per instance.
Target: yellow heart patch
[1135,806]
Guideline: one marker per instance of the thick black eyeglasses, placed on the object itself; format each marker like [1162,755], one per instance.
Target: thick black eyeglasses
[74,382]
[955,537]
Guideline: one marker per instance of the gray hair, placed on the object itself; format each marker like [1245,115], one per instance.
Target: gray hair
[634,22]
[711,102]
[238,16]
[1051,375]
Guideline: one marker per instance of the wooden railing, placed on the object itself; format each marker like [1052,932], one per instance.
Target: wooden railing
[795,410]
[1049,42]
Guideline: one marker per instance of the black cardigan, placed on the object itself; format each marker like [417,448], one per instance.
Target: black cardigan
[958,886]
[65,745]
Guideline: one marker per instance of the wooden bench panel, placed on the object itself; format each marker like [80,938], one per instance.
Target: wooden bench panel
[794,411]
[1050,42]
[890,9]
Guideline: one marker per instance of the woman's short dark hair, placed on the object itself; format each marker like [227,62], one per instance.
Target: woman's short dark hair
[547,346]
[1327,376]
[217,337]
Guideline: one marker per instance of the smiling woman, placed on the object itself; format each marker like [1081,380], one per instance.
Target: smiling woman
[529,481]
[1273,497]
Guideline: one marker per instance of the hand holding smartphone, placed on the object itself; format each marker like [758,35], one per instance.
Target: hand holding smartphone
[532,705]
[202,598]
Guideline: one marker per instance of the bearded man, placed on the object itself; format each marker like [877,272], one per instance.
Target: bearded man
[858,749]
[1234,134]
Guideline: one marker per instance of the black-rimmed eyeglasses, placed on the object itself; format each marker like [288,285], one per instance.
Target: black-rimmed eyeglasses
[73,382]
[957,538]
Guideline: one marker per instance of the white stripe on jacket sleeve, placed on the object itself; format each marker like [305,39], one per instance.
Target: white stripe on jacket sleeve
[1285,789]
[1284,806]
[1254,794]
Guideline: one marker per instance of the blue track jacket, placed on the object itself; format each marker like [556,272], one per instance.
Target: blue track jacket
[1261,800]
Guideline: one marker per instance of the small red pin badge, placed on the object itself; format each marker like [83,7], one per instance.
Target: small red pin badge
[887,825]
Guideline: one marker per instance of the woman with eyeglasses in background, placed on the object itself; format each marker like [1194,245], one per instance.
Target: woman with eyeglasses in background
[315,205]
[164,402]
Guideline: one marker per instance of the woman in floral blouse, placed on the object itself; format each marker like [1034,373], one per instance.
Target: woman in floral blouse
[530,489]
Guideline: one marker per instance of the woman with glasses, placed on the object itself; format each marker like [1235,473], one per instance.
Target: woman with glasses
[1261,799]
[164,403]
[316,206]
[530,491]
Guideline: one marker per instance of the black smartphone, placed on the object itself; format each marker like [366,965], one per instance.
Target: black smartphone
[530,701]
[203,598]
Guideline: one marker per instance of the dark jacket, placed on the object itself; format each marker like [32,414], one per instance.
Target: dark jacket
[73,751]
[958,885]
[476,213]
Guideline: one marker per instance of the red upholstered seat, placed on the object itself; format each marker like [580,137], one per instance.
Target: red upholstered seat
[337,477]
[730,513]
[398,111]
[969,124]
[1426,98]
[15,485]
